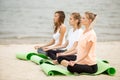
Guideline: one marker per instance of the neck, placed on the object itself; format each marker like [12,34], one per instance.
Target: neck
[87,27]
[75,27]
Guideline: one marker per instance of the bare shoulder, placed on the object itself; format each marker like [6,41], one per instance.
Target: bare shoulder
[62,27]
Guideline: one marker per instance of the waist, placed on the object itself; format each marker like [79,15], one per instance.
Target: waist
[88,61]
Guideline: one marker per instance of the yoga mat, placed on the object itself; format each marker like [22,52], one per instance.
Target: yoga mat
[39,60]
[105,68]
[52,70]
[105,61]
[24,56]
[43,55]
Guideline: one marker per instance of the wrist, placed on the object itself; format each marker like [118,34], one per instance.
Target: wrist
[75,62]
[63,53]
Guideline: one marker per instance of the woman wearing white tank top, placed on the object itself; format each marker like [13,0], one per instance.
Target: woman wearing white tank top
[59,33]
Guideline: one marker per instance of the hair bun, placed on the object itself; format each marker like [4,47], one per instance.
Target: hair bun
[95,15]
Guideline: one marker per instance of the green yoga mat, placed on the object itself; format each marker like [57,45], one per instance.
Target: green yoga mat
[24,56]
[52,70]
[27,56]
[39,60]
[103,67]
[43,55]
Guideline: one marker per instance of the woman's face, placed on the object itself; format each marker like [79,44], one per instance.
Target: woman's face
[56,17]
[72,21]
[85,20]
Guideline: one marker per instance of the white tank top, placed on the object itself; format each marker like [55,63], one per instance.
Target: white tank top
[56,37]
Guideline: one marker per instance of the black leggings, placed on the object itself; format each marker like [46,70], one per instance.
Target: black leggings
[67,57]
[52,53]
[78,68]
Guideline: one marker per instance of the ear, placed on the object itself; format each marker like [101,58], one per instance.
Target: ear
[77,20]
[90,20]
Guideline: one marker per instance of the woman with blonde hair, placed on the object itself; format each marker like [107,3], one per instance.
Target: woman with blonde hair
[85,58]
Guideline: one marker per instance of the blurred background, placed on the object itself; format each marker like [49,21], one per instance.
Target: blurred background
[31,21]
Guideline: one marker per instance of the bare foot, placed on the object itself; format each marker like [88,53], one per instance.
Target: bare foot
[36,47]
[55,62]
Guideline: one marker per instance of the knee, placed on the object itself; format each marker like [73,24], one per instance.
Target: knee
[70,68]
[39,50]
[59,59]
[95,69]
[48,52]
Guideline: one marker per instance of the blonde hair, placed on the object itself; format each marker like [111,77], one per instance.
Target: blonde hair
[91,16]
[77,16]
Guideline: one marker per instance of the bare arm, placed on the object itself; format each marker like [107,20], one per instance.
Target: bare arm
[46,45]
[62,46]
[73,48]
[49,43]
[89,45]
[62,33]
[70,53]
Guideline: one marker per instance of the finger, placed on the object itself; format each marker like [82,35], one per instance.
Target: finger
[36,47]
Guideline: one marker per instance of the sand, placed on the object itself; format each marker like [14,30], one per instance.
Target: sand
[15,69]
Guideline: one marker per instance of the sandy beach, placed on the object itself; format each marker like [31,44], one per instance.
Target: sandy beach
[31,22]
[15,69]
